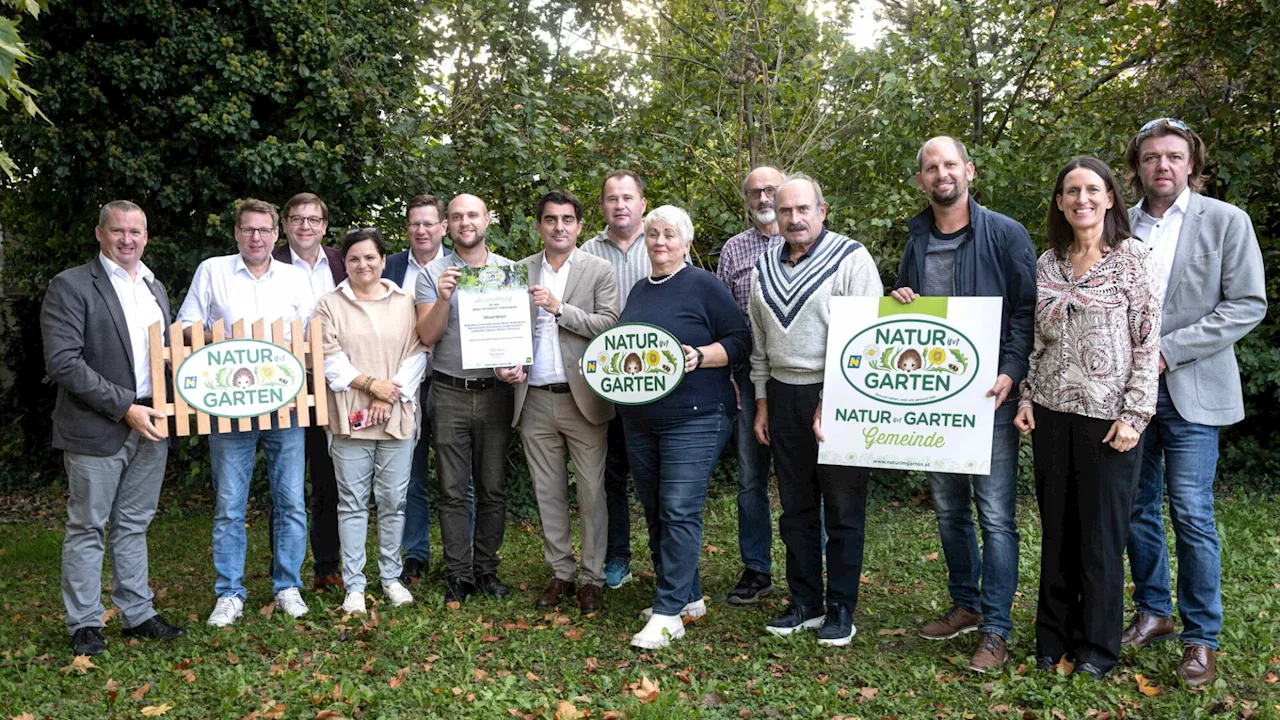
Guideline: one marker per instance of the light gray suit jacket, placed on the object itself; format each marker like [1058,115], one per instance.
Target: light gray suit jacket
[87,353]
[590,307]
[1216,295]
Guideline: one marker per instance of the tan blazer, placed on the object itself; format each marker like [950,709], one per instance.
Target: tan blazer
[590,307]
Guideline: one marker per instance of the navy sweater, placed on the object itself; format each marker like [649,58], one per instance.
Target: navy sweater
[699,310]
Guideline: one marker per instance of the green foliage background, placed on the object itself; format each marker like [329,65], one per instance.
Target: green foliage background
[184,107]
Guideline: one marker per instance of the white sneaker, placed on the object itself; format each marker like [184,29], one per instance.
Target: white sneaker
[397,593]
[226,611]
[689,613]
[354,604]
[659,632]
[290,601]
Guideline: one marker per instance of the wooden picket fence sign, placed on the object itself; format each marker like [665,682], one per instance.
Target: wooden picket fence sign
[164,366]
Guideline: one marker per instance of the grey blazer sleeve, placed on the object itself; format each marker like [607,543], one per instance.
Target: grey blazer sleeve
[62,328]
[589,324]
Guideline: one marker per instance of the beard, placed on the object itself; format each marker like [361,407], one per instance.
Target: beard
[477,241]
[958,189]
[765,217]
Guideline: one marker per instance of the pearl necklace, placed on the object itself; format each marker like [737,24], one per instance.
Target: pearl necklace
[659,282]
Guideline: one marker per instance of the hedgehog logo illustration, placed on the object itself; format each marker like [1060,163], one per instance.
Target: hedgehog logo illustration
[909,361]
[243,378]
[633,365]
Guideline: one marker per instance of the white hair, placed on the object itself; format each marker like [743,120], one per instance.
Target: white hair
[676,218]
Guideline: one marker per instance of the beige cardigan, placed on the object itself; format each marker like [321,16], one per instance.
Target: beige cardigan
[377,337]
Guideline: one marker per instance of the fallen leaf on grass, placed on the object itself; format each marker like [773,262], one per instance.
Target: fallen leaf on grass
[189,676]
[611,715]
[275,712]
[561,619]
[329,715]
[399,677]
[895,631]
[528,675]
[81,664]
[108,614]
[455,605]
[646,691]
[156,710]
[490,639]
[268,610]
[573,633]
[592,664]
[712,699]
[1065,666]
[1272,678]
[930,557]
[867,693]
[566,711]
[140,692]
[1145,687]
[23,716]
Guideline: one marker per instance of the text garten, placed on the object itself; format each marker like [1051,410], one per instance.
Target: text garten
[237,398]
[636,383]
[909,381]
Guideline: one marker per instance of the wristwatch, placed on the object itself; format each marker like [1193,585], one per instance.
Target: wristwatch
[699,351]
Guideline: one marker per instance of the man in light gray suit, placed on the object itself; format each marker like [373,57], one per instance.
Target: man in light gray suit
[94,323]
[1209,267]
[573,297]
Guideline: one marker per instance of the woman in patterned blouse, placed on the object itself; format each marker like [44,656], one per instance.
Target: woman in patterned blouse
[1088,395]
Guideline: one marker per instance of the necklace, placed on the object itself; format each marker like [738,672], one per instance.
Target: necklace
[659,282]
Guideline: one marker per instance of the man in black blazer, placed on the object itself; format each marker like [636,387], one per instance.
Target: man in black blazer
[305,218]
[94,324]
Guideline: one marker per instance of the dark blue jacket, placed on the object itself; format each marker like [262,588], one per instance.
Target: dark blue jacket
[398,263]
[995,260]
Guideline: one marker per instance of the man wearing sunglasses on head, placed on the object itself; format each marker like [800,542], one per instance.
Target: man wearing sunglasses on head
[1210,276]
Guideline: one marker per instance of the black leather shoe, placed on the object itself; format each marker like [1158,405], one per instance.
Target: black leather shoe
[796,618]
[88,641]
[751,587]
[837,629]
[412,572]
[1090,670]
[155,628]
[457,590]
[493,587]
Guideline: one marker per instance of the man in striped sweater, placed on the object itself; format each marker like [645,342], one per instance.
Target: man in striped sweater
[791,289]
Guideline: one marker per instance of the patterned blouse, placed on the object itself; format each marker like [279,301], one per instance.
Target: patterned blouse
[1097,347]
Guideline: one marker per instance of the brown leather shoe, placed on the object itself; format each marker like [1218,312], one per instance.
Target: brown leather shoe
[589,597]
[332,580]
[955,621]
[556,589]
[1198,666]
[990,655]
[1146,629]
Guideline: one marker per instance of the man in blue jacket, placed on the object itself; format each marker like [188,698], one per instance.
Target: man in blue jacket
[957,248]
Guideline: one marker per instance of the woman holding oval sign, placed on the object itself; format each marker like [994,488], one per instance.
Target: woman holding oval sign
[374,363]
[674,441]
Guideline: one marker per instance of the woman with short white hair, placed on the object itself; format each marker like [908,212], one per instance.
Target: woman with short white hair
[674,442]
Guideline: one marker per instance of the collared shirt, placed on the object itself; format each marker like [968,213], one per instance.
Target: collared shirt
[446,355]
[141,311]
[224,289]
[784,251]
[629,267]
[1160,235]
[320,276]
[412,270]
[737,258]
[340,372]
[548,364]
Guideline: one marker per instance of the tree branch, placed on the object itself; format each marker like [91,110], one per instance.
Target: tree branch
[1026,73]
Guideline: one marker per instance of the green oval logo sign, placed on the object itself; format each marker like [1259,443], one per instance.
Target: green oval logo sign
[909,362]
[239,378]
[633,364]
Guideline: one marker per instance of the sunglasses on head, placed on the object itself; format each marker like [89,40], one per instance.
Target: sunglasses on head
[1171,122]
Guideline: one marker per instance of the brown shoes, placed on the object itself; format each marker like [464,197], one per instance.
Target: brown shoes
[1146,629]
[1198,666]
[990,655]
[589,597]
[956,621]
[556,590]
[332,580]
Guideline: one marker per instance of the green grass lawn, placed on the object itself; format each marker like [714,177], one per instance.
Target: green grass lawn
[494,659]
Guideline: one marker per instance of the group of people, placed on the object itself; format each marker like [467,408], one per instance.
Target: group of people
[1116,357]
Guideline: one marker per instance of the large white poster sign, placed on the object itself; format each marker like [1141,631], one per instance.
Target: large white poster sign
[493,312]
[906,385]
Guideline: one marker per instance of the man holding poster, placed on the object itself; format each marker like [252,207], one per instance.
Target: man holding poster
[470,409]
[959,248]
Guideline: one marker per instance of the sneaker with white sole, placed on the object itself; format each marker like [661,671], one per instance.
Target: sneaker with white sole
[354,604]
[659,632]
[226,611]
[689,613]
[397,593]
[290,601]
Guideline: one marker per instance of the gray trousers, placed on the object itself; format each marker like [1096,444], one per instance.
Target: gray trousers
[471,429]
[122,488]
[361,467]
[554,431]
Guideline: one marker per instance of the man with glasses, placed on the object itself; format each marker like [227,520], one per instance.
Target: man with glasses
[1209,269]
[306,220]
[252,286]
[737,258]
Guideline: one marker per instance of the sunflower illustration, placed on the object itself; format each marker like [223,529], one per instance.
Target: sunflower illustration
[652,358]
[267,373]
[937,356]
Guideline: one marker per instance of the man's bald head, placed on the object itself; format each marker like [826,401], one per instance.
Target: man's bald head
[468,221]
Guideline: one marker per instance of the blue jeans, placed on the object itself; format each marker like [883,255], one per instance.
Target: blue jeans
[417,509]
[232,456]
[755,525]
[996,495]
[616,498]
[1185,456]
[671,461]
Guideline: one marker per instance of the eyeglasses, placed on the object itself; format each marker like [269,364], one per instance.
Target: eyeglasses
[260,232]
[311,220]
[768,191]
[423,225]
[1170,122]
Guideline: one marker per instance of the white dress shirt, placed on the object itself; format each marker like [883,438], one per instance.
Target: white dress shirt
[321,276]
[141,311]
[339,372]
[224,289]
[548,365]
[412,270]
[1160,235]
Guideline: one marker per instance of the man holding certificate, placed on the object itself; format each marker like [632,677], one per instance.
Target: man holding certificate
[470,408]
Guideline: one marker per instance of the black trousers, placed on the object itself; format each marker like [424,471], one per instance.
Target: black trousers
[617,500]
[804,484]
[1084,490]
[326,553]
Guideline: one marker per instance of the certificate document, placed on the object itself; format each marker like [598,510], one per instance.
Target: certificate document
[494,318]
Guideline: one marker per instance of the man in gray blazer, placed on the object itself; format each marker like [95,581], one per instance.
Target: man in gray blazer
[573,298]
[94,323]
[1209,266]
